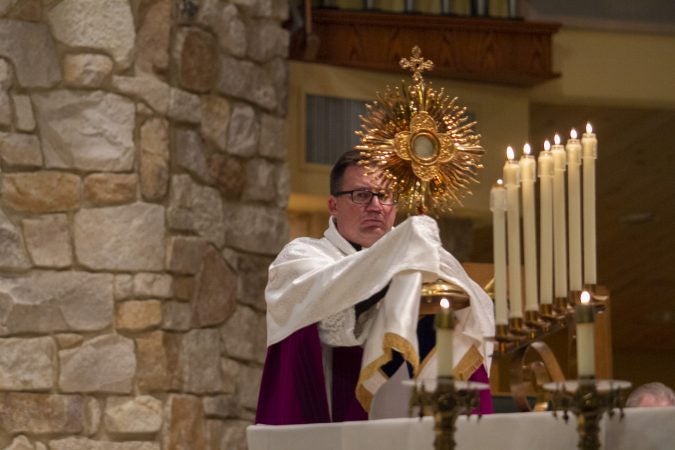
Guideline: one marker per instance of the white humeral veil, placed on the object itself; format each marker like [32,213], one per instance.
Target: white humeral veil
[313,279]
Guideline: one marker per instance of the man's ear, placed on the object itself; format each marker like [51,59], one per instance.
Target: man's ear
[332,205]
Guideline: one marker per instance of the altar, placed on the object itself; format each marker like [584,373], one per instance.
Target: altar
[640,429]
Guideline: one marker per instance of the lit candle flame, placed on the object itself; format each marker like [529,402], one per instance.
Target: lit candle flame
[556,139]
[589,128]
[509,153]
[527,149]
[547,145]
[573,133]
[445,303]
[585,298]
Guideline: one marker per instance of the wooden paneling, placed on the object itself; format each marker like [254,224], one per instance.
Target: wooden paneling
[480,49]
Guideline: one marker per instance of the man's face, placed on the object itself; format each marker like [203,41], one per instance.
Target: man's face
[361,224]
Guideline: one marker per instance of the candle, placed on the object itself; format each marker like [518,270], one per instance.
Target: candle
[559,222]
[498,208]
[546,224]
[589,155]
[573,149]
[444,322]
[585,337]
[528,170]
[512,182]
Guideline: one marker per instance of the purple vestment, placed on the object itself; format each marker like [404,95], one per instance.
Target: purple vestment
[293,388]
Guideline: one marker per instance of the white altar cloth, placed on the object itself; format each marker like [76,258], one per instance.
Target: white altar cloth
[640,429]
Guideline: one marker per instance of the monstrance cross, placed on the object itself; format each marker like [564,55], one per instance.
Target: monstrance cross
[416,64]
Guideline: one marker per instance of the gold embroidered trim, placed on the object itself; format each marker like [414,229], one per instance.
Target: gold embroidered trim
[390,341]
[469,363]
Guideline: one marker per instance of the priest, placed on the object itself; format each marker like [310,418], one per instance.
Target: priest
[341,309]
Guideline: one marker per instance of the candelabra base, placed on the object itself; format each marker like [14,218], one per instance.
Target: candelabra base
[547,313]
[588,399]
[446,399]
[517,327]
[533,321]
[562,307]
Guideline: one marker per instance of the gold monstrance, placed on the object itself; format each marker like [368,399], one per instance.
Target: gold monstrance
[421,141]
[426,149]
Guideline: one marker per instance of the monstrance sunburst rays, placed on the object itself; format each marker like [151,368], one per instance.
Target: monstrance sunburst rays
[422,142]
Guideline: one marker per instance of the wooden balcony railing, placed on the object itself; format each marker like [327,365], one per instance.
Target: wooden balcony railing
[496,50]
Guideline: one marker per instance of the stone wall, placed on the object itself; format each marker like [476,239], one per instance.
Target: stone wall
[143,196]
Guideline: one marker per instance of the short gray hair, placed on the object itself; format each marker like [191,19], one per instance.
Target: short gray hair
[656,390]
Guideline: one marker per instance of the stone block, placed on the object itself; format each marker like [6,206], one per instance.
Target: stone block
[5,109]
[153,285]
[23,111]
[82,443]
[123,287]
[221,406]
[260,181]
[154,169]
[189,154]
[245,80]
[86,69]
[229,175]
[104,189]
[87,130]
[214,297]
[27,364]
[215,120]
[176,316]
[248,385]
[92,416]
[133,415]
[12,252]
[267,40]
[108,27]
[20,150]
[252,271]
[185,426]
[42,192]
[183,286]
[138,315]
[200,362]
[196,52]
[41,413]
[283,183]
[132,240]
[196,208]
[185,253]
[6,75]
[230,434]
[272,137]
[48,240]
[68,340]
[184,106]
[31,49]
[257,229]
[56,301]
[154,92]
[157,354]
[244,335]
[244,131]
[152,40]
[104,364]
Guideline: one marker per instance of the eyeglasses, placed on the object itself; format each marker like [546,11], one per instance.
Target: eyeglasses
[364,196]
